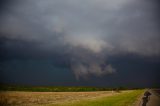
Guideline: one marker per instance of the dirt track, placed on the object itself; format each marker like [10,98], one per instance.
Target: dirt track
[153,99]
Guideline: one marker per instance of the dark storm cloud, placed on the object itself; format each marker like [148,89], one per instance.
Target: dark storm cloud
[87,32]
[4,3]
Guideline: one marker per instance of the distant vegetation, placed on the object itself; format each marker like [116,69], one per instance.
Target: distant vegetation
[58,88]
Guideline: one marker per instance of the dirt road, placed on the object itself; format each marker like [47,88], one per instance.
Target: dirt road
[150,98]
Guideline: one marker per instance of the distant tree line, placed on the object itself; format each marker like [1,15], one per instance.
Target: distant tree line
[60,88]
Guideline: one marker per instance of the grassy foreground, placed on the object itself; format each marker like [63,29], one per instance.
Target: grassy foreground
[96,98]
[121,99]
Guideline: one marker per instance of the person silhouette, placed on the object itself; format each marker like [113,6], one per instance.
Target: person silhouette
[146,98]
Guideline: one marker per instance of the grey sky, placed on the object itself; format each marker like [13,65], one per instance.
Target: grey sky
[88,32]
[128,25]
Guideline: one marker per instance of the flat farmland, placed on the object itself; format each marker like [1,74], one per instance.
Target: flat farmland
[96,98]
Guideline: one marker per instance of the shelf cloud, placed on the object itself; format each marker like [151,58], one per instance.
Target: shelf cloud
[87,31]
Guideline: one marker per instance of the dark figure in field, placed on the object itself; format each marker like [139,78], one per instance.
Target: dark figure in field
[146,98]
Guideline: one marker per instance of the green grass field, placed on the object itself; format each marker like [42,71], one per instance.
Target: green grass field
[121,99]
[67,96]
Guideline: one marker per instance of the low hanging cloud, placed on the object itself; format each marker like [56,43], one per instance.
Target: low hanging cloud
[93,44]
[96,69]
[88,31]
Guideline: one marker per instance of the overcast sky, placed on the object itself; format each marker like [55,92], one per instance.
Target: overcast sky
[80,42]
